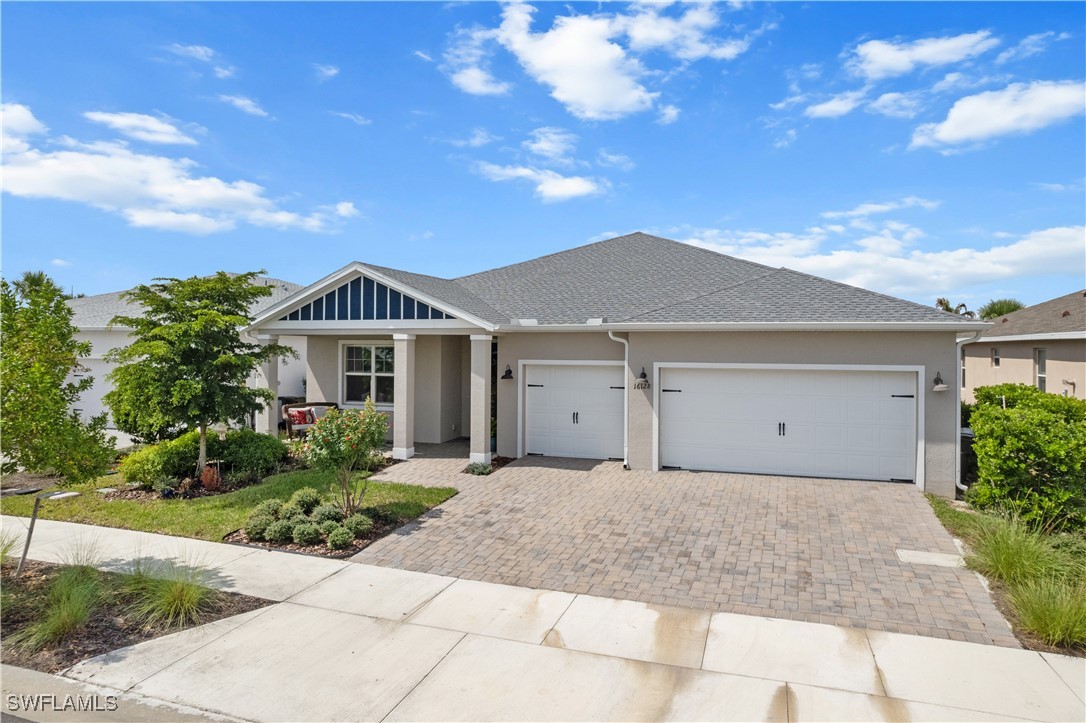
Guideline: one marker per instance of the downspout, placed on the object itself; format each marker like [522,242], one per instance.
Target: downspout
[958,395]
[625,400]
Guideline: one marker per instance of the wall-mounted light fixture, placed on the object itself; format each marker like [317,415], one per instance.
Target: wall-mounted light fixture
[938,385]
[642,381]
[508,373]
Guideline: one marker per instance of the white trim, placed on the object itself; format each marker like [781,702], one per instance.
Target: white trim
[403,452]
[479,457]
[481,337]
[403,337]
[760,326]
[915,369]
[413,326]
[522,382]
[320,288]
[1053,336]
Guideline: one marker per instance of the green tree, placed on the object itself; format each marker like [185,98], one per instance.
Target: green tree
[38,353]
[999,307]
[187,363]
[943,304]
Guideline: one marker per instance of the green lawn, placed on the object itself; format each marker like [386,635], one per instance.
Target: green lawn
[209,518]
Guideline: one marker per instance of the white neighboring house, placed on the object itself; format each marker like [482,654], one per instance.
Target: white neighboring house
[92,314]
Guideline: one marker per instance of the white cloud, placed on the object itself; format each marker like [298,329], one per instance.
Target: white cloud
[583,60]
[150,191]
[358,120]
[549,185]
[877,59]
[63,263]
[787,139]
[839,105]
[17,123]
[1018,108]
[1059,187]
[896,105]
[246,105]
[197,52]
[225,71]
[325,72]
[479,137]
[467,62]
[870,209]
[610,159]
[142,127]
[423,56]
[1029,46]
[886,261]
[552,144]
[668,115]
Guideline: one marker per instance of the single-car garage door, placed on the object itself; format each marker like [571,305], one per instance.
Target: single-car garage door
[574,410]
[845,424]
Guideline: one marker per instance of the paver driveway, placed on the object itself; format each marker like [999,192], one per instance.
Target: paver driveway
[805,549]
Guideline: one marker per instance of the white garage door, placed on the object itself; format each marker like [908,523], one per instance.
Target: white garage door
[574,411]
[852,425]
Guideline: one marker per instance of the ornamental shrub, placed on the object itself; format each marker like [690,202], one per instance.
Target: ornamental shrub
[359,525]
[306,533]
[328,525]
[343,442]
[340,538]
[243,451]
[306,499]
[142,467]
[257,525]
[280,531]
[251,452]
[1031,455]
[271,508]
[326,513]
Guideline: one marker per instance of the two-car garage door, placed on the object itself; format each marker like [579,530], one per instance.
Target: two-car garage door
[843,424]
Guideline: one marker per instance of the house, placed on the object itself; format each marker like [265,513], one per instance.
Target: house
[1042,345]
[640,349]
[91,316]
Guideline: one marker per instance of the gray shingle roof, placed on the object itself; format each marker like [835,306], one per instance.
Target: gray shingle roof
[1045,318]
[447,290]
[90,312]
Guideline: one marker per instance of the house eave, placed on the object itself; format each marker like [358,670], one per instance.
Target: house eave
[1044,336]
[953,326]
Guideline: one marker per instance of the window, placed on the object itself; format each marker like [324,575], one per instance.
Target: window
[963,367]
[1040,370]
[995,357]
[368,371]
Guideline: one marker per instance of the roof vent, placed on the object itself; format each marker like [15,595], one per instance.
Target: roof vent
[528,322]
[1004,321]
[596,322]
[1066,313]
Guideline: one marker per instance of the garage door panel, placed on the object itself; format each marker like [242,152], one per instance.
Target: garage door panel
[837,423]
[596,432]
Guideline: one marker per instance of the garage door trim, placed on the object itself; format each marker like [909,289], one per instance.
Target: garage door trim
[917,370]
[522,380]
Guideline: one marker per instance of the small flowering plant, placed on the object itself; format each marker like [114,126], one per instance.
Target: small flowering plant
[345,442]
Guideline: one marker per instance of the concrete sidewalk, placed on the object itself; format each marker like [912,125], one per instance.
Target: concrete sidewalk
[355,642]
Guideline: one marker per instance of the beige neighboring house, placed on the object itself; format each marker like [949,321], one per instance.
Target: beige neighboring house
[640,349]
[92,314]
[1042,345]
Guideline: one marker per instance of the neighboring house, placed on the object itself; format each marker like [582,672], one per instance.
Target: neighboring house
[1042,345]
[747,368]
[92,314]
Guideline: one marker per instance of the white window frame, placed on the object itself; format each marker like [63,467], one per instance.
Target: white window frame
[996,359]
[1040,353]
[373,374]
[963,367]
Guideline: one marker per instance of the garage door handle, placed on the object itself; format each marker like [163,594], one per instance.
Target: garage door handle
[903,396]
[535,385]
[671,390]
[779,432]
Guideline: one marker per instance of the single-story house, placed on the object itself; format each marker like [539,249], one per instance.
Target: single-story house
[1042,345]
[91,316]
[640,349]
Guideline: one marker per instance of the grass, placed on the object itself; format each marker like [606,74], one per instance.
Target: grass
[73,597]
[8,542]
[168,595]
[209,518]
[1040,576]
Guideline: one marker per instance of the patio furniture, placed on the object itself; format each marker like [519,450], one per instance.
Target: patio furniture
[301,416]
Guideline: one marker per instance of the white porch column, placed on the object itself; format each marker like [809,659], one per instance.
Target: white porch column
[267,419]
[480,398]
[403,404]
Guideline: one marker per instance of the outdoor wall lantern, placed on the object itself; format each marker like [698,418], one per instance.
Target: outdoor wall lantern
[642,381]
[939,385]
[508,373]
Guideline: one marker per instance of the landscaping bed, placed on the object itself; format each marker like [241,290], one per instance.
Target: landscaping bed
[496,463]
[113,618]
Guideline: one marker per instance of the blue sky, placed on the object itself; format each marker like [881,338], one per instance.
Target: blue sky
[916,149]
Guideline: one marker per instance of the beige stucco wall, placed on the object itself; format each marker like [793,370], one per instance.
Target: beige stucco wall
[935,351]
[1066,361]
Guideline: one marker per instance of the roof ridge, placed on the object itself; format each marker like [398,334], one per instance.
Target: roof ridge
[498,312]
[557,253]
[692,299]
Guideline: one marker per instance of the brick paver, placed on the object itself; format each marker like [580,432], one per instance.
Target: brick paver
[805,549]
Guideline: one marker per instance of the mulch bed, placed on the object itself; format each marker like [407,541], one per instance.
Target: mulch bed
[110,627]
[380,529]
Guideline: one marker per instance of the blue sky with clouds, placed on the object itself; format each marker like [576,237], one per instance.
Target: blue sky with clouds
[917,149]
